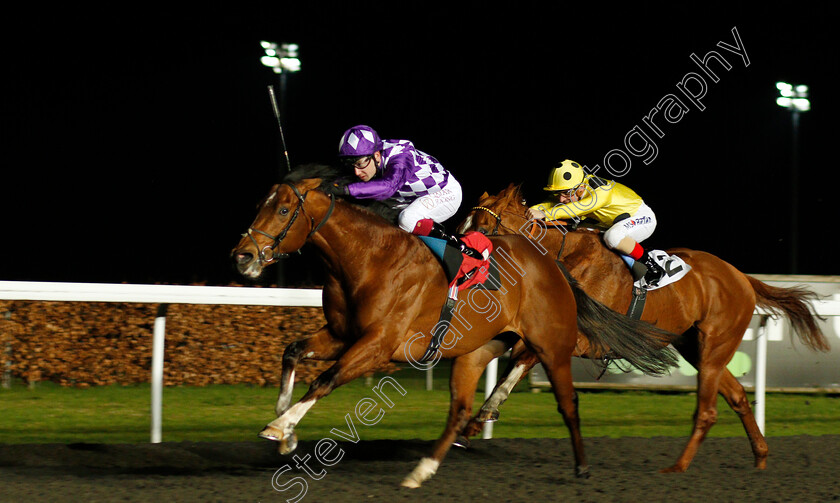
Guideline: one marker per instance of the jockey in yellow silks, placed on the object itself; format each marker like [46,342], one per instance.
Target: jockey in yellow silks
[616,207]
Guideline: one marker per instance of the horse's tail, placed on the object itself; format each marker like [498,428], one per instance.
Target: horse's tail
[794,303]
[642,344]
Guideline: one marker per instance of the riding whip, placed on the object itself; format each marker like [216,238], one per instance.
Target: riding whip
[276,110]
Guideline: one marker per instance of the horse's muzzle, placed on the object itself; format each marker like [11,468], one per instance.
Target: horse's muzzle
[242,258]
[247,264]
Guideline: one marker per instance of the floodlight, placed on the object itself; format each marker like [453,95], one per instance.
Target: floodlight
[282,58]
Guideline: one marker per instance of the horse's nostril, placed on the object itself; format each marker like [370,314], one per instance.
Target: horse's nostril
[243,258]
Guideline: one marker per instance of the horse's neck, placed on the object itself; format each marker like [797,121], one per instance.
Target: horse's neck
[353,243]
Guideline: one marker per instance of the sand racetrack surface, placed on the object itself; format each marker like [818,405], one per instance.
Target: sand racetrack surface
[800,468]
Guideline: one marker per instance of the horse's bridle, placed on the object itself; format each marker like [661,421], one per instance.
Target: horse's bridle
[263,257]
[534,226]
[495,231]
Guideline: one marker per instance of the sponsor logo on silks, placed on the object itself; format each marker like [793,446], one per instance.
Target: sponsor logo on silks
[637,221]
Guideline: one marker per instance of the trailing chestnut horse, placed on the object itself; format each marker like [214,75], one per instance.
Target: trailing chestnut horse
[711,307]
[383,294]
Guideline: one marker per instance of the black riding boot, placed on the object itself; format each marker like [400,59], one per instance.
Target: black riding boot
[638,270]
[654,271]
[439,232]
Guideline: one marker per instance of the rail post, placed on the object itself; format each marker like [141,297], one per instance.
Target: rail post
[158,342]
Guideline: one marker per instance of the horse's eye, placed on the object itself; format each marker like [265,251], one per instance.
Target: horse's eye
[283,211]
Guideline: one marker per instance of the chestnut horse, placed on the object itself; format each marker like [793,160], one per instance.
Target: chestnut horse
[383,294]
[711,307]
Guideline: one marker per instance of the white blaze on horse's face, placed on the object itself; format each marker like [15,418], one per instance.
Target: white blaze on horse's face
[255,251]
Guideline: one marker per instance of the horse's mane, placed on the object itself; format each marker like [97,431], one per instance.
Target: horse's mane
[329,174]
[307,171]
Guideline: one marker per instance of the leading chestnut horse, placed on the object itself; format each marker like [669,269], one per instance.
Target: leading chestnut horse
[711,307]
[383,294]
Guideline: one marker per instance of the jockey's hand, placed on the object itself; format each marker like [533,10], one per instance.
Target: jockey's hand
[337,188]
[536,214]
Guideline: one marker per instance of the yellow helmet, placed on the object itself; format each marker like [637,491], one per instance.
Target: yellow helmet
[567,175]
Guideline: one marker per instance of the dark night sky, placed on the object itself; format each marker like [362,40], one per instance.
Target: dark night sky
[136,146]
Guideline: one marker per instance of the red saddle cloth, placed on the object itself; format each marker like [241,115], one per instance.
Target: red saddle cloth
[474,271]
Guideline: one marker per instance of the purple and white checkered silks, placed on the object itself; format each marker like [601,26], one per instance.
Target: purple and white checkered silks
[427,176]
[358,141]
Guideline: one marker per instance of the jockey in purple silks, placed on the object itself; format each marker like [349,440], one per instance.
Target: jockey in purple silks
[425,192]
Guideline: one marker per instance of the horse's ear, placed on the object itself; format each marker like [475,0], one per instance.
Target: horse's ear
[485,195]
[308,184]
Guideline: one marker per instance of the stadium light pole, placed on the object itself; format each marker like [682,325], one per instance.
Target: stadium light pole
[795,99]
[283,60]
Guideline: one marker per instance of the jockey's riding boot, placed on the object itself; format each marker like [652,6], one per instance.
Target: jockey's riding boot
[437,231]
[654,271]
[638,270]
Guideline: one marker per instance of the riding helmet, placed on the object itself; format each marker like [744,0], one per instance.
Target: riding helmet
[359,141]
[567,175]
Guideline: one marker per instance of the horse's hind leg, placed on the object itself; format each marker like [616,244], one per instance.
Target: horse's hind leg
[466,371]
[320,345]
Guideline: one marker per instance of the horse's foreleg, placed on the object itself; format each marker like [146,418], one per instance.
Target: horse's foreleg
[496,348]
[365,355]
[556,358]
[466,371]
[710,359]
[705,416]
[516,372]
[321,345]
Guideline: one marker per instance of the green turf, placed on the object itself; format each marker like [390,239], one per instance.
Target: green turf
[116,414]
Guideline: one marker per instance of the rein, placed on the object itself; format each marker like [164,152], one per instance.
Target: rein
[264,257]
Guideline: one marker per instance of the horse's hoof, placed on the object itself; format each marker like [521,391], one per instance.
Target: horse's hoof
[288,444]
[462,442]
[424,471]
[410,483]
[488,416]
[270,433]
[672,469]
[582,472]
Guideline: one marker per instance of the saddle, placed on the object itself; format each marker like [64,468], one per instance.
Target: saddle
[462,272]
[675,268]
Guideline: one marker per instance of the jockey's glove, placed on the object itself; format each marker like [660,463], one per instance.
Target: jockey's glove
[337,188]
